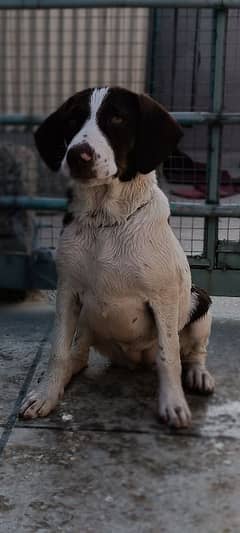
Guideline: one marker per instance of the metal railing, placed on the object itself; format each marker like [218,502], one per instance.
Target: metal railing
[47,4]
[212,269]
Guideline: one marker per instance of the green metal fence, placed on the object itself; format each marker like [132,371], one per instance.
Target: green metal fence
[184,53]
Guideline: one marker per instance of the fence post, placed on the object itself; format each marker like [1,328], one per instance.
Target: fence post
[215,130]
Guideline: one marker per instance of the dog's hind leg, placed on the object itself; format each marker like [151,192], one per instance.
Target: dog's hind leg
[193,346]
[80,349]
[44,398]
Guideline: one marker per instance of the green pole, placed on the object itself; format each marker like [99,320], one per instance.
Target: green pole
[215,130]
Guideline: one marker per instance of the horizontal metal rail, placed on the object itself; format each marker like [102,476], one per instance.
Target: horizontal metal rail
[38,203]
[186,118]
[19,119]
[46,4]
[188,209]
[20,271]
[192,209]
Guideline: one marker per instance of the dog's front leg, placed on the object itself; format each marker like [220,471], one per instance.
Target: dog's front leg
[173,408]
[41,400]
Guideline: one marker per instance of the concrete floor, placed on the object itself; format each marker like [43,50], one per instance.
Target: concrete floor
[102,463]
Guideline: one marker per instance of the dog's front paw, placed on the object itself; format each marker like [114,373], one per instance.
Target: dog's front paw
[196,378]
[41,401]
[174,410]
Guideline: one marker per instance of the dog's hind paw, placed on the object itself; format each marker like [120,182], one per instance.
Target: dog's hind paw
[196,378]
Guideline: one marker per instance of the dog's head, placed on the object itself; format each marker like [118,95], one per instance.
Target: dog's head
[99,134]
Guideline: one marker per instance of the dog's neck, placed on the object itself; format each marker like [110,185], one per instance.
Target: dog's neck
[113,203]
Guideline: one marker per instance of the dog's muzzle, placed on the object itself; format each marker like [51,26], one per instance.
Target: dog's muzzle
[80,159]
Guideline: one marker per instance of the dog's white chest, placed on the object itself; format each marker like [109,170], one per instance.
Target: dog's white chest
[104,263]
[106,275]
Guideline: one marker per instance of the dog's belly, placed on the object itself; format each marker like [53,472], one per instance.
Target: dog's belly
[126,321]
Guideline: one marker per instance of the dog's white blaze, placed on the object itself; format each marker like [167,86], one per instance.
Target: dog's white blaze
[90,133]
[96,101]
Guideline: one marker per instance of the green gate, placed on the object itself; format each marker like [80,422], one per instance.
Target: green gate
[184,53]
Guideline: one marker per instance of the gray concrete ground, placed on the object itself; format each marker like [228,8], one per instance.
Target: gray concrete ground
[102,463]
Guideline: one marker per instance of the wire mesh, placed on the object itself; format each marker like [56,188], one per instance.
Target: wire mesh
[229,229]
[232,72]
[47,55]
[48,229]
[190,232]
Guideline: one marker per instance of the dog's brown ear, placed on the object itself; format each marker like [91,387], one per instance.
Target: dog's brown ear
[49,139]
[158,134]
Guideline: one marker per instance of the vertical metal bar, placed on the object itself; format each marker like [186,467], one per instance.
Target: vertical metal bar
[195,59]
[215,131]
[219,46]
[152,66]
[148,85]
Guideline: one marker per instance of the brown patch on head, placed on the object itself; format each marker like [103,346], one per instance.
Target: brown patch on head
[158,136]
[140,131]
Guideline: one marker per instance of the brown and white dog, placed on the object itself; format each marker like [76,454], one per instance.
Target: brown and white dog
[124,283]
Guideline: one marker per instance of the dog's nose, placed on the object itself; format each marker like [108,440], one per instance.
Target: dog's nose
[86,152]
[79,153]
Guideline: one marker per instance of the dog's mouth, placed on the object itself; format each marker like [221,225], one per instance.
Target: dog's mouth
[93,179]
[83,176]
[90,175]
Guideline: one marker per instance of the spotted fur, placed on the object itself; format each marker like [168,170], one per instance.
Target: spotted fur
[124,282]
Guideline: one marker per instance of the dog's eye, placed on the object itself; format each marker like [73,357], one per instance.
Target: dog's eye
[117,120]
